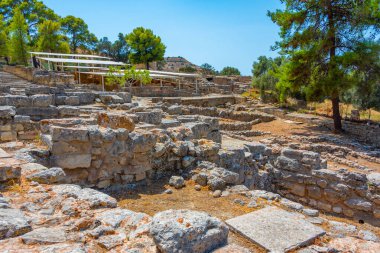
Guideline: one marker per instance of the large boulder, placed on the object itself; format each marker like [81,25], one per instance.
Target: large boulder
[44,236]
[187,231]
[13,223]
[49,176]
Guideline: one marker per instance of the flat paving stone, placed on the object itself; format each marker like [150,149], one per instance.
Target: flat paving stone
[275,229]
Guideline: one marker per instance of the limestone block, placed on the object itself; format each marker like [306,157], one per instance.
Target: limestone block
[115,121]
[7,136]
[5,128]
[314,192]
[84,97]
[18,101]
[35,90]
[359,204]
[154,117]
[72,100]
[72,161]
[174,109]
[42,100]
[69,134]
[275,229]
[21,119]
[7,112]
[334,196]
[68,111]
[38,112]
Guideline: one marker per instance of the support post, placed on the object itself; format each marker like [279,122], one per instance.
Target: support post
[161,83]
[196,86]
[103,82]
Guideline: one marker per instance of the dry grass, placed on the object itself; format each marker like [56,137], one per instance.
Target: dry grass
[345,109]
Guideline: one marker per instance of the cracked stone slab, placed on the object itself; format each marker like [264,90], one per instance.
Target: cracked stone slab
[275,229]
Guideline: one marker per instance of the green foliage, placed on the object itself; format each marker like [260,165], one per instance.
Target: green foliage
[4,43]
[50,39]
[121,77]
[318,36]
[266,73]
[77,32]
[366,92]
[145,47]
[104,47]
[188,69]
[118,50]
[19,39]
[230,71]
[207,69]
[34,12]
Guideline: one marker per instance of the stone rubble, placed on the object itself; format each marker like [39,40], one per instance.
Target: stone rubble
[64,149]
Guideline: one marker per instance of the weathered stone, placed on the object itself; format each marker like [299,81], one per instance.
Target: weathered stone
[49,176]
[174,109]
[44,236]
[216,183]
[368,236]
[201,179]
[111,241]
[177,182]
[13,223]
[290,230]
[115,121]
[232,248]
[42,100]
[69,134]
[187,231]
[68,111]
[291,204]
[7,112]
[265,195]
[351,244]
[310,212]
[374,179]
[360,204]
[72,161]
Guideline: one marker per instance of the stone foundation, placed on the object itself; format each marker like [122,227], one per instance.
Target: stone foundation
[41,77]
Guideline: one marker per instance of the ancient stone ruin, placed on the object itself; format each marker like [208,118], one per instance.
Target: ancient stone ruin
[82,170]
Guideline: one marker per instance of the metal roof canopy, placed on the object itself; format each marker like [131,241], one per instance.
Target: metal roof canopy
[174,73]
[121,74]
[81,61]
[71,55]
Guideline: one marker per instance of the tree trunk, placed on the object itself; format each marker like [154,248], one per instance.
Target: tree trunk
[336,113]
[147,65]
[335,94]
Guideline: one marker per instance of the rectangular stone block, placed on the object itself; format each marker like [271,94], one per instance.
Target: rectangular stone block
[69,134]
[6,136]
[275,229]
[42,100]
[72,161]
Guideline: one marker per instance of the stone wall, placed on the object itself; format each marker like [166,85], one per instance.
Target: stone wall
[157,91]
[43,102]
[16,127]
[99,156]
[303,176]
[49,78]
[366,133]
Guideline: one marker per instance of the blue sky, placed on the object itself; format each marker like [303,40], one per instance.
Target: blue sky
[219,32]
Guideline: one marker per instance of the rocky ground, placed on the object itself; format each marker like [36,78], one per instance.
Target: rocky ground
[103,173]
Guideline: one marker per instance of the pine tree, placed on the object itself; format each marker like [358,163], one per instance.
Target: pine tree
[50,39]
[4,44]
[317,35]
[19,39]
